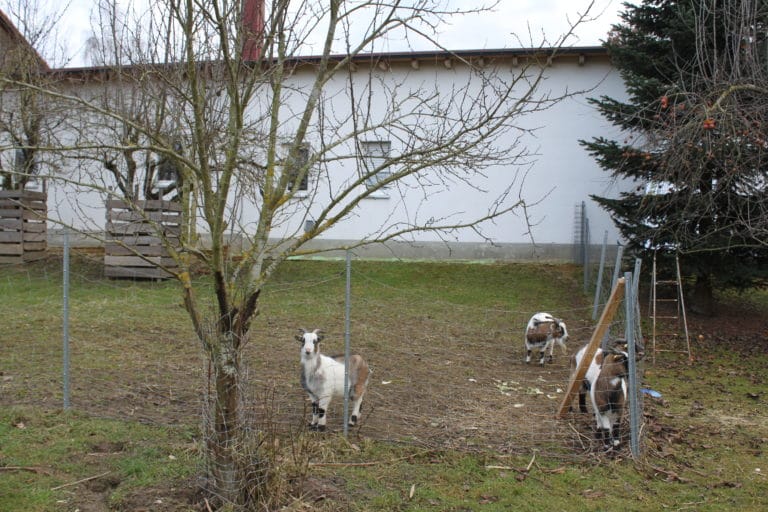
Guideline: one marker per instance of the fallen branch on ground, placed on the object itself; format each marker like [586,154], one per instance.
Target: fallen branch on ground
[31,469]
[363,464]
[81,481]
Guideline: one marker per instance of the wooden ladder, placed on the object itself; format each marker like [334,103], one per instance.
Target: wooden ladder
[674,295]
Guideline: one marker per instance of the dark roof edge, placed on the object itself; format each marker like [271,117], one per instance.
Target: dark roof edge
[491,52]
[419,55]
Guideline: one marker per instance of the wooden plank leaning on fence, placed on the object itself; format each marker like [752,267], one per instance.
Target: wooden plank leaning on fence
[602,325]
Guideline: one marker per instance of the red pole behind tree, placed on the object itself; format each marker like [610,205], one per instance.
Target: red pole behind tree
[253,27]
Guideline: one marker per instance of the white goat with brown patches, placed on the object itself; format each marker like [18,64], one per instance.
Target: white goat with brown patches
[606,383]
[543,332]
[322,377]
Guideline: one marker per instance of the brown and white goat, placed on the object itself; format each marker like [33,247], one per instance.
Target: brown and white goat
[606,383]
[322,377]
[543,332]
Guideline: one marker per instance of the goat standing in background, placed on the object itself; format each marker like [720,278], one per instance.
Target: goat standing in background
[322,377]
[542,332]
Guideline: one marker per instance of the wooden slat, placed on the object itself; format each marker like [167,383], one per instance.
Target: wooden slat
[23,205]
[35,246]
[29,215]
[138,261]
[132,240]
[33,255]
[11,223]
[143,240]
[147,273]
[11,213]
[33,237]
[112,249]
[25,194]
[151,205]
[35,206]
[140,228]
[35,227]
[8,249]
[131,261]
[11,236]
[131,216]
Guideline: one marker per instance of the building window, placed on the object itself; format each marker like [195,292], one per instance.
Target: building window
[294,167]
[374,155]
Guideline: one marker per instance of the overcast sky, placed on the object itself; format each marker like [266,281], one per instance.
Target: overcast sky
[532,21]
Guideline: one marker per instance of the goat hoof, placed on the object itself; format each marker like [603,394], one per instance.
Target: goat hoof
[320,428]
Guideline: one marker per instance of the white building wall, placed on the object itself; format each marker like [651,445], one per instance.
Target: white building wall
[560,175]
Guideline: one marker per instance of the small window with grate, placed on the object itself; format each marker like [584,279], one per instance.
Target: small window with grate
[296,167]
[373,157]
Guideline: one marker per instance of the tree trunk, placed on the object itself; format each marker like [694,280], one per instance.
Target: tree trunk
[702,300]
[228,458]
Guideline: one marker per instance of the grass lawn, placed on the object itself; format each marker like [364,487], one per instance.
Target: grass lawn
[438,432]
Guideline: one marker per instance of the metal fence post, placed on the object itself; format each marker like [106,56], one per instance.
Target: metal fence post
[634,406]
[586,252]
[636,292]
[636,279]
[617,265]
[347,309]
[599,284]
[65,319]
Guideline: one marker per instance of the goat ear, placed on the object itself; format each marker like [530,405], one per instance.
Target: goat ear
[300,336]
[599,358]
[320,335]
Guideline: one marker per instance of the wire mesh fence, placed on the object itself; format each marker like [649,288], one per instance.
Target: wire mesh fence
[446,373]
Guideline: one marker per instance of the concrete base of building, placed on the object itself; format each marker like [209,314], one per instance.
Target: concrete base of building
[441,251]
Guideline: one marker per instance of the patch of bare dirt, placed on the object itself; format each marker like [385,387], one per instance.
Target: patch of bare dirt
[185,497]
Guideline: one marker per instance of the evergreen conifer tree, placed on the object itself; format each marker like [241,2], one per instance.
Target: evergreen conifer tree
[696,138]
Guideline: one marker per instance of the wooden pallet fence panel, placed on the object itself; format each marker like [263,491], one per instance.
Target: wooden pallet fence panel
[134,248]
[23,228]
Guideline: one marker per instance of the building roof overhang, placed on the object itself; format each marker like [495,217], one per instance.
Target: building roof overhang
[547,55]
